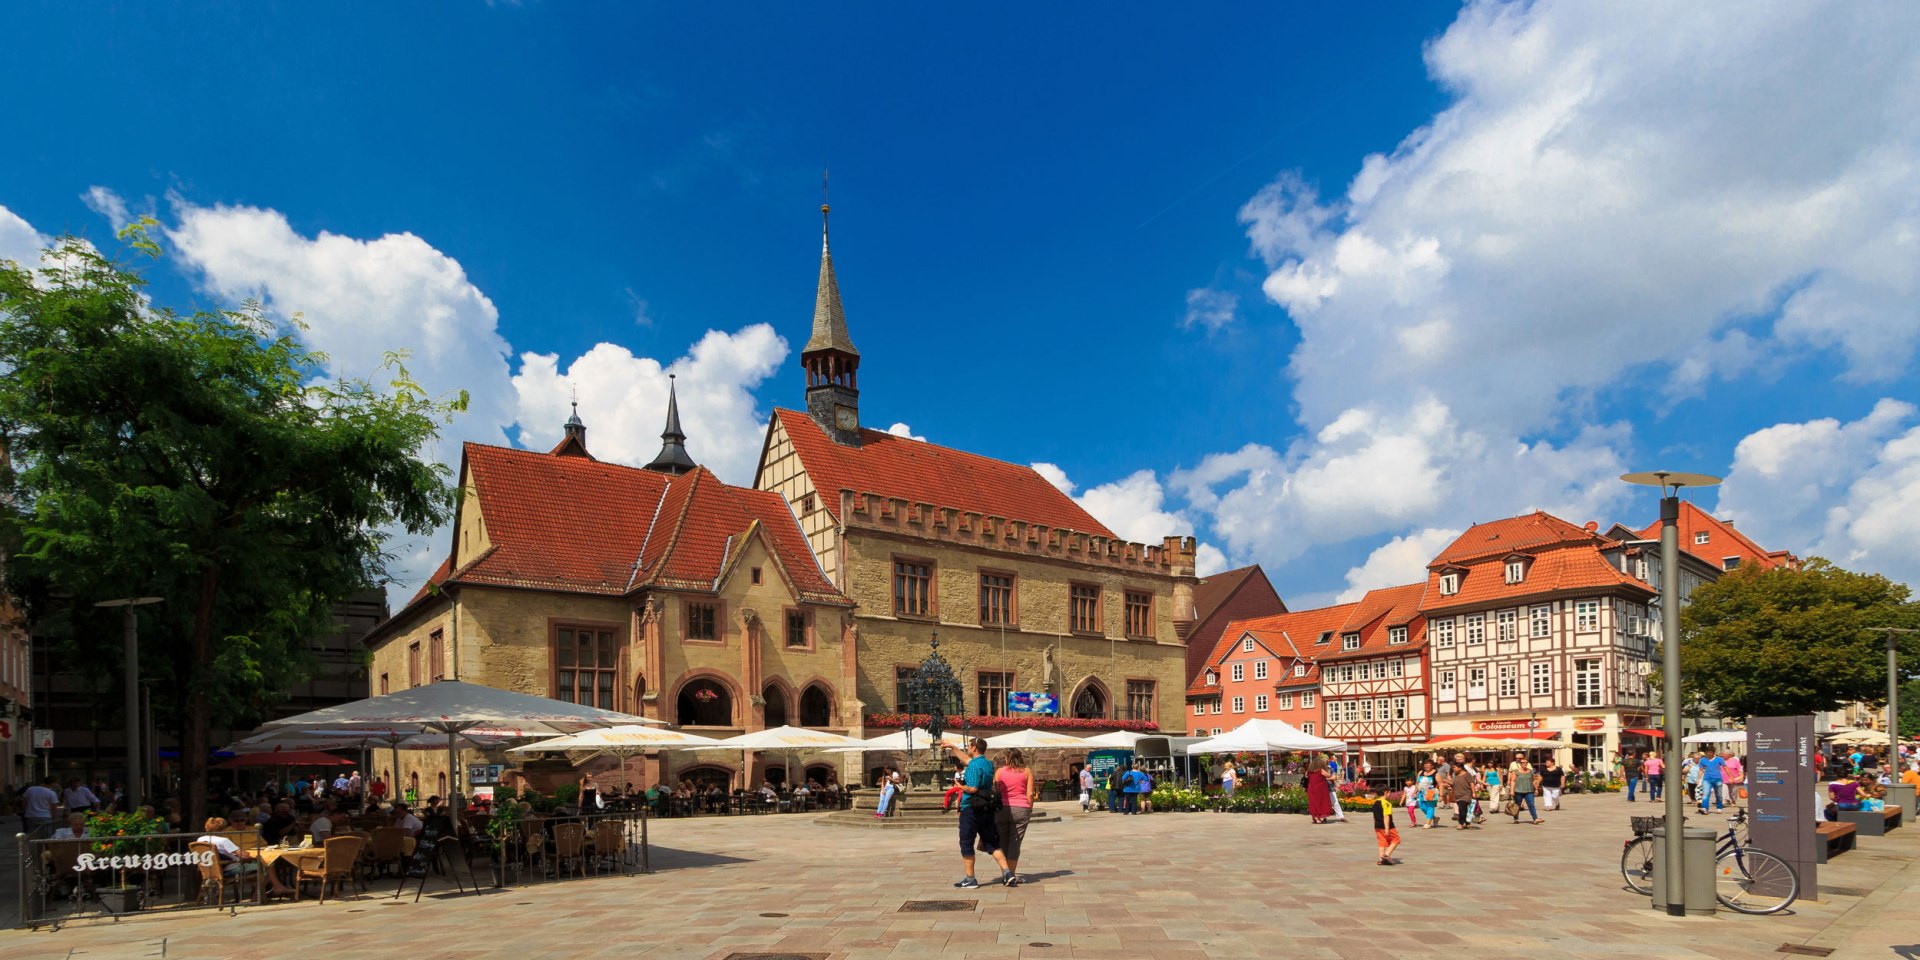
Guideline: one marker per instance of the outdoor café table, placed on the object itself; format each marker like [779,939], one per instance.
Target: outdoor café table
[296,857]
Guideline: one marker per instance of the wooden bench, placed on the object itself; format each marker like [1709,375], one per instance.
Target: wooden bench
[1873,823]
[1835,838]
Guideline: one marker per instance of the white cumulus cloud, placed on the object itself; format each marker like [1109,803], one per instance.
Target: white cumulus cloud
[107,204]
[19,241]
[902,430]
[1135,509]
[1210,309]
[1399,561]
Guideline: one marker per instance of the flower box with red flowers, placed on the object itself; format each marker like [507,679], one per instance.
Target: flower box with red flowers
[1016,722]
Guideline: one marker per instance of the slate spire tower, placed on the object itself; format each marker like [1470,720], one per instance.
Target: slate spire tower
[830,359]
[673,456]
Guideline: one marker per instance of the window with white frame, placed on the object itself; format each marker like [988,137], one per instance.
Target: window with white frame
[1212,678]
[1260,670]
[1239,671]
[1366,709]
[1349,641]
[1246,644]
[1299,669]
[1542,678]
[1286,701]
[1509,681]
[1443,686]
[1306,699]
[1516,570]
[1216,731]
[1701,537]
[1506,625]
[1540,620]
[1396,635]
[1215,705]
[1260,703]
[1476,683]
[1326,637]
[1476,629]
[1239,704]
[1449,584]
[1586,615]
[1586,682]
[1399,708]
[1363,670]
[1307,728]
[1442,633]
[1346,673]
[1396,668]
[1640,569]
[1199,708]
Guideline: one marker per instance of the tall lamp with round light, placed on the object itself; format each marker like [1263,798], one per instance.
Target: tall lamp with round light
[1670,484]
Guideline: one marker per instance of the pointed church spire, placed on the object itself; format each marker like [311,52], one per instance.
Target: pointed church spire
[574,443]
[830,360]
[829,319]
[673,456]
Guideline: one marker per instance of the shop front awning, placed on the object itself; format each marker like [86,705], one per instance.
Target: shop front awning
[1646,732]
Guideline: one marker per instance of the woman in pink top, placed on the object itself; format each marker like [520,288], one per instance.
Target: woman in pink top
[1655,768]
[1016,808]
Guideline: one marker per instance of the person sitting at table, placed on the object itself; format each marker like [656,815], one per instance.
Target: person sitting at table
[322,826]
[235,862]
[716,799]
[279,827]
[405,820]
[75,829]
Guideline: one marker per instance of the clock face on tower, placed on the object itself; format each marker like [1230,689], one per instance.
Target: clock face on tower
[846,418]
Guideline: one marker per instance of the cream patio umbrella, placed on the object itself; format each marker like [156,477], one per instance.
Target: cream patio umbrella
[300,738]
[1716,736]
[787,739]
[904,740]
[1031,739]
[1851,737]
[1119,739]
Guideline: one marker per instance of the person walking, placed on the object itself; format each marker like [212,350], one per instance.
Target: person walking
[1319,791]
[1713,782]
[1429,793]
[1462,787]
[977,825]
[1384,835]
[1633,769]
[1016,809]
[1734,774]
[37,803]
[1654,768]
[1495,789]
[1690,774]
[1520,779]
[79,798]
[1228,780]
[1552,781]
[1086,789]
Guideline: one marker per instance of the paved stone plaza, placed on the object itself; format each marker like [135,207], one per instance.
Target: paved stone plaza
[1160,887]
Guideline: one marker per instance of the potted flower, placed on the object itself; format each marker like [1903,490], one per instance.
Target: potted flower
[122,840]
[503,829]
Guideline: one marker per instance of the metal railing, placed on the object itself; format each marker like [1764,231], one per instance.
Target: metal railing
[543,849]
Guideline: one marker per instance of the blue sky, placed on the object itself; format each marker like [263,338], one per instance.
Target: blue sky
[1319,287]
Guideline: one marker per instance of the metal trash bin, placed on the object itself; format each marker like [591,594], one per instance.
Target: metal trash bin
[1698,884]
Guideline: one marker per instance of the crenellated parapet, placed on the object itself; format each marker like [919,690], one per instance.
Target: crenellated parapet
[941,524]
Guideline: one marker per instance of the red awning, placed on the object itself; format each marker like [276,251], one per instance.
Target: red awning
[1501,735]
[290,758]
[1647,732]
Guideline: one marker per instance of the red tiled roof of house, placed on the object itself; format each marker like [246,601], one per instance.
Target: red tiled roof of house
[1298,632]
[922,472]
[1723,541]
[575,524]
[1220,599]
[1497,538]
[438,577]
[1556,569]
[1376,613]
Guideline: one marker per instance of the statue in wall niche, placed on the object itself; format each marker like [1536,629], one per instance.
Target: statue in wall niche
[650,613]
[749,616]
[1047,671]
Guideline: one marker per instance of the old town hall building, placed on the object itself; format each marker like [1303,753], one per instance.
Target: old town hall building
[803,599]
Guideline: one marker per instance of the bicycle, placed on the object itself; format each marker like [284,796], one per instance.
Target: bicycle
[1747,879]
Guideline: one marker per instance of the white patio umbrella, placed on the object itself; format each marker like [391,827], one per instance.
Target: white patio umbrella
[1716,736]
[1121,739]
[915,739]
[452,707]
[1265,736]
[1859,736]
[785,739]
[300,738]
[619,741]
[1031,739]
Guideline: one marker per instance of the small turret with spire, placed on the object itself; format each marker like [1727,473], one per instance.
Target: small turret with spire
[673,456]
[574,443]
[830,359]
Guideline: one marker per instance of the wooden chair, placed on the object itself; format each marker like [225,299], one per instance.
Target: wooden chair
[388,846]
[335,866]
[63,857]
[609,843]
[213,874]
[570,847]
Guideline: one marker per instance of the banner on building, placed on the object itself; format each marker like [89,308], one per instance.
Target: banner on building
[43,739]
[1589,724]
[1022,701]
[1504,726]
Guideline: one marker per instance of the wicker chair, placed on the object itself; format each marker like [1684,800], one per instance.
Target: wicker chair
[570,847]
[388,846]
[336,866]
[609,843]
[213,874]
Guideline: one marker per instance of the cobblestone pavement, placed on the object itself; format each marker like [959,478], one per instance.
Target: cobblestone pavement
[1158,887]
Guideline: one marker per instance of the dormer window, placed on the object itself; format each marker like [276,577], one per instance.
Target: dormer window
[1325,638]
[1729,563]
[1299,669]
[1212,678]
[1246,644]
[1396,635]
[1350,641]
[1449,583]
[1516,570]
[1702,537]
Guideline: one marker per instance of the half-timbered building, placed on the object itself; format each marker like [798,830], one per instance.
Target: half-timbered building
[1373,680]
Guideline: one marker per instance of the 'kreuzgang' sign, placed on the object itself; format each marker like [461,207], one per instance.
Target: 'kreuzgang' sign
[145,861]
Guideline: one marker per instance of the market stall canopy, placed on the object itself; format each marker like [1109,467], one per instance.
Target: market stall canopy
[1264,735]
[619,740]
[1123,739]
[1875,737]
[781,738]
[1031,739]
[1394,747]
[1716,736]
[452,706]
[290,758]
[899,740]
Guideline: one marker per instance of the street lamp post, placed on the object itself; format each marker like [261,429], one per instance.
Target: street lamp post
[130,641]
[1675,787]
[1893,703]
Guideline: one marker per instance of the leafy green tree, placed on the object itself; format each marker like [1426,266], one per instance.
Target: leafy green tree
[204,459]
[1781,642]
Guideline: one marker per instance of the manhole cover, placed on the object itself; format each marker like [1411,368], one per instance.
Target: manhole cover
[935,906]
[776,956]
[773,914]
[1804,950]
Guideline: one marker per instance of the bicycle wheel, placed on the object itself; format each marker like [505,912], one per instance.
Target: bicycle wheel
[1754,881]
[1636,865]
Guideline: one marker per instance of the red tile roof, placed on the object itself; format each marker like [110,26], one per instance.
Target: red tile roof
[575,524]
[1219,600]
[1296,633]
[1723,541]
[1373,617]
[924,472]
[1520,534]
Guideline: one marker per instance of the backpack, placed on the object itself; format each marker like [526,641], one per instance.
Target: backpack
[987,798]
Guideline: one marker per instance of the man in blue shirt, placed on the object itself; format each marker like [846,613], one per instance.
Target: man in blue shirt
[976,813]
[1712,782]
